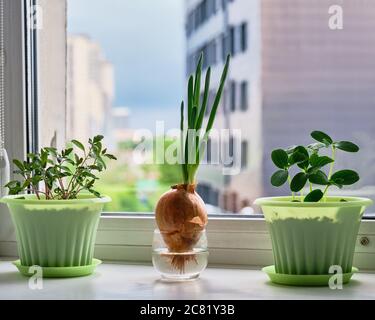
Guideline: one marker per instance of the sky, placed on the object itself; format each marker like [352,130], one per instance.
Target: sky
[145,41]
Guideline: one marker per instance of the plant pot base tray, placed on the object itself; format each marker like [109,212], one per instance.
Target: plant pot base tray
[60,272]
[303,280]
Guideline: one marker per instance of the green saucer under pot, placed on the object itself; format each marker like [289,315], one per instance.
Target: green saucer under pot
[57,234]
[308,237]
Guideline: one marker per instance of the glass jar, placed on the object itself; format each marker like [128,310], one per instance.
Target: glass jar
[179,266]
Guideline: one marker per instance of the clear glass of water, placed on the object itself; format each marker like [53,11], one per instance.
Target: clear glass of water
[179,266]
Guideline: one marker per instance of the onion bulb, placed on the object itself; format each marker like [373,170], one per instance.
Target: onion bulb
[181,217]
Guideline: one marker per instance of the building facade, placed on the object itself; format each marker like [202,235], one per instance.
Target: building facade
[218,28]
[90,89]
[291,73]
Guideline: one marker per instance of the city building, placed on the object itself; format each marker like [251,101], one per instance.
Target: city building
[290,74]
[217,28]
[90,89]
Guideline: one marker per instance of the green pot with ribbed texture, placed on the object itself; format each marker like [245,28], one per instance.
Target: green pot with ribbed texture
[310,237]
[55,233]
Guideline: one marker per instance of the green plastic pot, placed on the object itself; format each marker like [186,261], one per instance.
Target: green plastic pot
[55,233]
[308,238]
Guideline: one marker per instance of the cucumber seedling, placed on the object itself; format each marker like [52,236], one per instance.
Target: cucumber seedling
[311,167]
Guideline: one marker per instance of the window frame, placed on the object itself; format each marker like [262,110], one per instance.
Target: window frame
[234,241]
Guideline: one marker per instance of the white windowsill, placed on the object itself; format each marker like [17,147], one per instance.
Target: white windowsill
[239,243]
[118,281]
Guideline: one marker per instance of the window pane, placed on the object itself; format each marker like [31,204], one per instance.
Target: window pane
[128,66]
[243,31]
[244,96]
[233,96]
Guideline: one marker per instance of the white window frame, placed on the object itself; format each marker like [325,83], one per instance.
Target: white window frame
[233,241]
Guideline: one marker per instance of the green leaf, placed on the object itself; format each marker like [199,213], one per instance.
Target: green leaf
[36,179]
[280,158]
[344,177]
[51,150]
[78,160]
[193,117]
[78,144]
[215,105]
[19,164]
[101,162]
[314,196]
[190,99]
[319,178]
[68,151]
[346,146]
[110,156]
[98,138]
[319,161]
[66,169]
[202,111]
[31,156]
[322,137]
[279,178]
[197,83]
[95,193]
[300,156]
[298,182]
[87,174]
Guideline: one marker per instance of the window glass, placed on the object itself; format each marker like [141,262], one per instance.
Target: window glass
[233,87]
[243,32]
[244,96]
[128,65]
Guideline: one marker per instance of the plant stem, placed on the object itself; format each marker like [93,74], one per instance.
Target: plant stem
[332,163]
[290,182]
[74,177]
[62,188]
[26,177]
[311,187]
[330,172]
[324,192]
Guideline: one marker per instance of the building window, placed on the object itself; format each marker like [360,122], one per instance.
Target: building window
[243,37]
[231,153]
[244,154]
[209,151]
[232,40]
[244,96]
[212,53]
[215,198]
[233,96]
[213,6]
[224,101]
[224,51]
[200,15]
[224,4]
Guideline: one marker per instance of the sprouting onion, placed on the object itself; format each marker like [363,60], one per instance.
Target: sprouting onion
[193,149]
[180,212]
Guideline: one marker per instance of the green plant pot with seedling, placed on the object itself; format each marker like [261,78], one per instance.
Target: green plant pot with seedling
[57,221]
[312,233]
